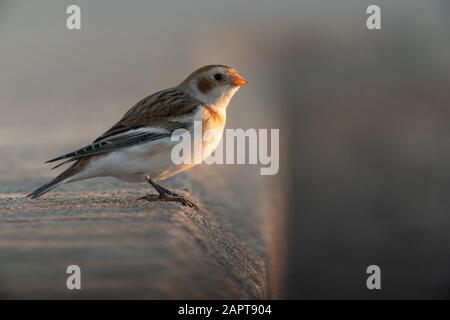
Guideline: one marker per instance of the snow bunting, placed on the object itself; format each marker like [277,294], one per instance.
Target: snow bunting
[138,147]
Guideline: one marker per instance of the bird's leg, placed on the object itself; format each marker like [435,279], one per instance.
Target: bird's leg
[166,195]
[161,190]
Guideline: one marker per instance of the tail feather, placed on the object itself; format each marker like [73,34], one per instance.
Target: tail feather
[45,188]
[62,178]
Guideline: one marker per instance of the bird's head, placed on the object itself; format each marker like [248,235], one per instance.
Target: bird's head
[214,85]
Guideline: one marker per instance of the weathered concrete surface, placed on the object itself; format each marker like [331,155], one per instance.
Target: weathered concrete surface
[135,249]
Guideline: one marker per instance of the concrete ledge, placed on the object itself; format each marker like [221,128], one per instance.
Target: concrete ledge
[130,249]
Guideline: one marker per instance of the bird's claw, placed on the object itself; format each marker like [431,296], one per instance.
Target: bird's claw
[172,197]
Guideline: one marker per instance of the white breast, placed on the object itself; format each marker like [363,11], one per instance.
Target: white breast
[154,158]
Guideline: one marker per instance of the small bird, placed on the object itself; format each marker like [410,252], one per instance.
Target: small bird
[138,147]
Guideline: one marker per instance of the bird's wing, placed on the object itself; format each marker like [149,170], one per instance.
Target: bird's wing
[116,142]
[152,118]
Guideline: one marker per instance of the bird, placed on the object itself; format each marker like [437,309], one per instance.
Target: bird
[138,147]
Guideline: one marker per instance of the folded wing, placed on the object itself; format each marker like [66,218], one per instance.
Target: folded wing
[120,141]
[152,118]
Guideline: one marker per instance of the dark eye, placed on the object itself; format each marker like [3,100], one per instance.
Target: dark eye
[218,77]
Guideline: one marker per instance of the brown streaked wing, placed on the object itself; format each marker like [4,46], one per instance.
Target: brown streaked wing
[154,110]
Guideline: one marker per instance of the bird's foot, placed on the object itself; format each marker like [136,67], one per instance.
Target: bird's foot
[170,197]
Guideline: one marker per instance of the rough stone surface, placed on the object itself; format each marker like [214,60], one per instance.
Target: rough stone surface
[134,249]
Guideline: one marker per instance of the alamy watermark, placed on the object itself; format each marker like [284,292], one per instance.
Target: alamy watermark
[374,280]
[73,21]
[73,281]
[236,146]
[373,21]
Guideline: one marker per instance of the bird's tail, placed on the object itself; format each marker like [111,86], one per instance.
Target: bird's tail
[62,178]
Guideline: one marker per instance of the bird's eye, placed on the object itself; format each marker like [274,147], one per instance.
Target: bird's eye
[218,77]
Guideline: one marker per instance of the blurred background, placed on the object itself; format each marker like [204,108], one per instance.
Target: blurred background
[363,118]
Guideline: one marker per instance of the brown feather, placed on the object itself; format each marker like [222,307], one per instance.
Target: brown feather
[155,110]
[205,85]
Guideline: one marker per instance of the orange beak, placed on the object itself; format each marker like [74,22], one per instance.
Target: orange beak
[238,80]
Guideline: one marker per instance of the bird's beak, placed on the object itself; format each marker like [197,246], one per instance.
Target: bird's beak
[238,80]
